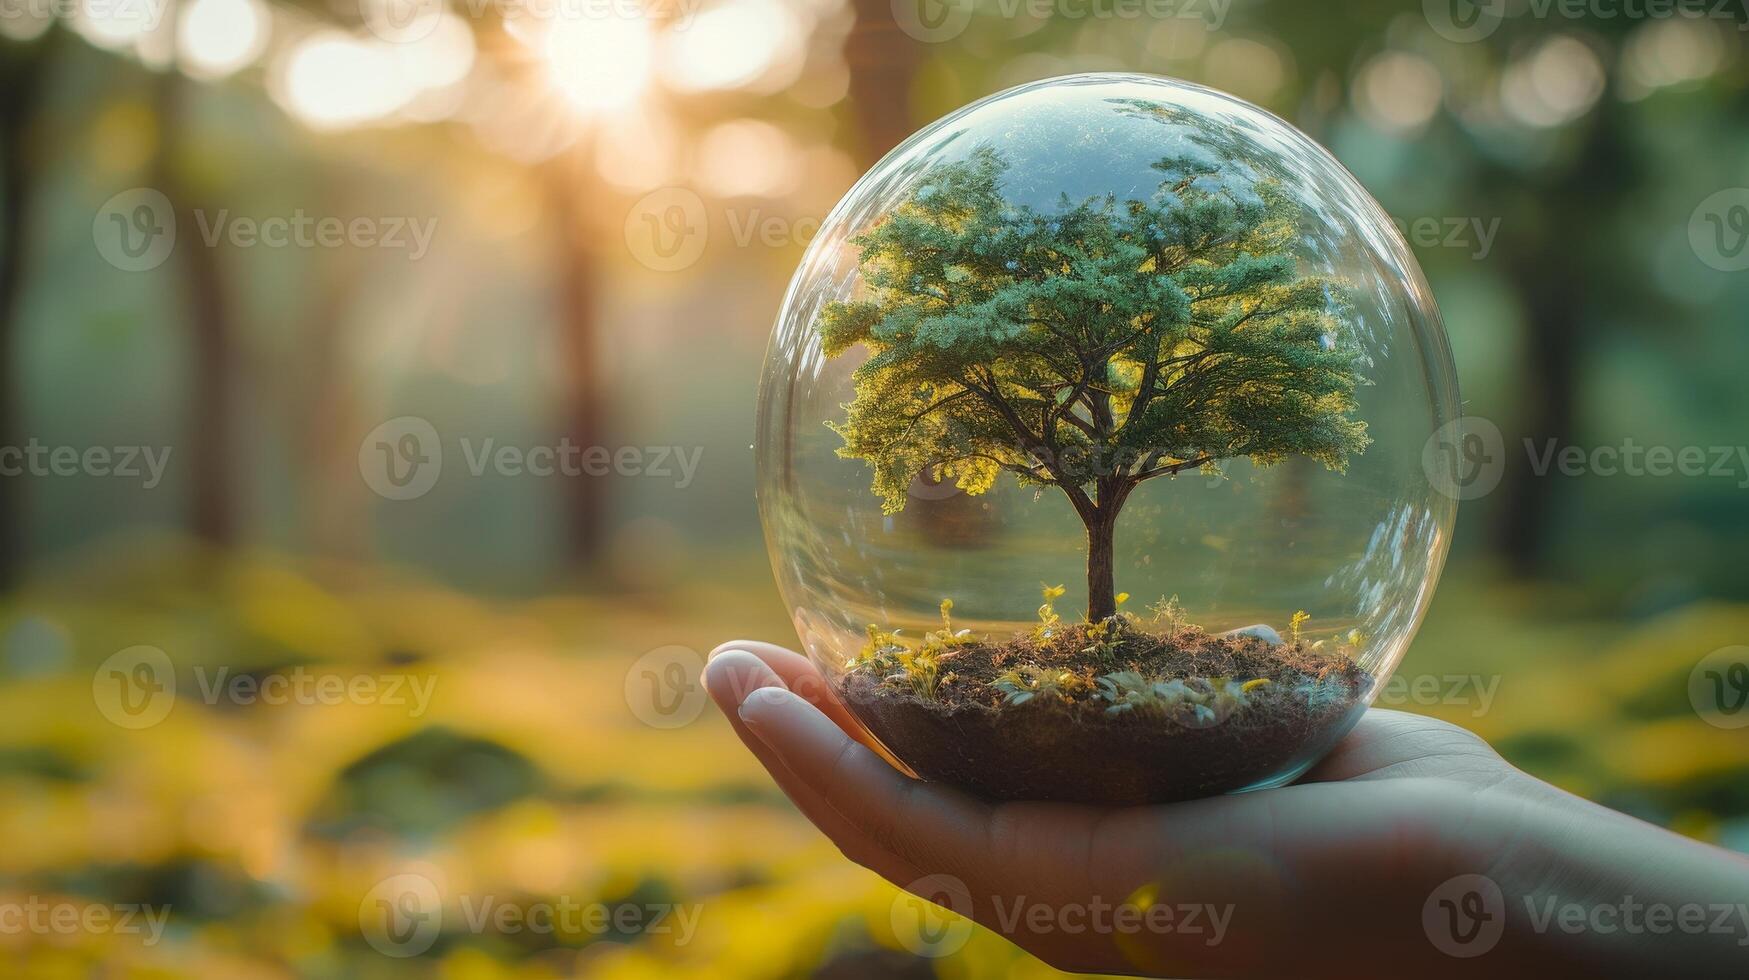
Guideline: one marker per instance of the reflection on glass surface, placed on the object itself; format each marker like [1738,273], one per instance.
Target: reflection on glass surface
[1281,486]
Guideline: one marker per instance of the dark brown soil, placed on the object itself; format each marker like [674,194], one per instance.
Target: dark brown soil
[1070,747]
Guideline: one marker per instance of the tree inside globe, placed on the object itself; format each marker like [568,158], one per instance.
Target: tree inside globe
[1190,313]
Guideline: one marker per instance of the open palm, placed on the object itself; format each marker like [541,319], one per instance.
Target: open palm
[1391,813]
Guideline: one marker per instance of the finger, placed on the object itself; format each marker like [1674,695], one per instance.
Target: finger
[730,677]
[1388,743]
[905,821]
[799,675]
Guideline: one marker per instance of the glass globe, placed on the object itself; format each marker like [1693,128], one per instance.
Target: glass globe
[1091,444]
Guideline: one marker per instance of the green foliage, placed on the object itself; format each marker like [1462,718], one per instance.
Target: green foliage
[1168,612]
[1323,694]
[946,637]
[881,650]
[1029,681]
[1094,346]
[920,672]
[1104,639]
[1196,702]
[423,784]
[1294,625]
[917,669]
[1048,620]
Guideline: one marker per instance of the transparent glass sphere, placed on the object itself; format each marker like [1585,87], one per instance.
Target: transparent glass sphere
[1091,444]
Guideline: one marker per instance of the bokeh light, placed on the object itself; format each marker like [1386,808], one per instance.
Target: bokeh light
[25,23]
[598,64]
[1246,67]
[333,80]
[1398,92]
[1556,83]
[1670,52]
[116,26]
[746,157]
[441,57]
[217,37]
[731,45]
[639,151]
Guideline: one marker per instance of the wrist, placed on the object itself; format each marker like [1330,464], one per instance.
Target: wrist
[1555,881]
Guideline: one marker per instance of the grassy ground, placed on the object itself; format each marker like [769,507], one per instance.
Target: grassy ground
[527,777]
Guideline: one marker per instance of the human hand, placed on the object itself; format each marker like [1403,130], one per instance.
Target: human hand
[1342,873]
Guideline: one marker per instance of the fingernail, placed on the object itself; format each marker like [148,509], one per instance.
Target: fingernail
[764,700]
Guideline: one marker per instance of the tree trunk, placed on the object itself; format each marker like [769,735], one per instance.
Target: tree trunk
[1101,573]
[1571,291]
[334,500]
[585,405]
[1527,522]
[23,84]
[212,409]
[883,63]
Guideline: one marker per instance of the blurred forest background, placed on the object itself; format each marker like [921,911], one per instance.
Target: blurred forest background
[615,195]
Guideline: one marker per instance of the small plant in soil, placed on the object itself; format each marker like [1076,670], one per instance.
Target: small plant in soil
[1089,350]
[1170,710]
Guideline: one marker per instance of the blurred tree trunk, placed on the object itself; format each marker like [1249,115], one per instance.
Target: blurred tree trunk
[883,65]
[23,69]
[333,497]
[1564,286]
[568,187]
[567,179]
[883,62]
[1555,316]
[208,434]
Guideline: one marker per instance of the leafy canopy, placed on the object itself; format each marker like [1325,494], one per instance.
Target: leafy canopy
[1092,347]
